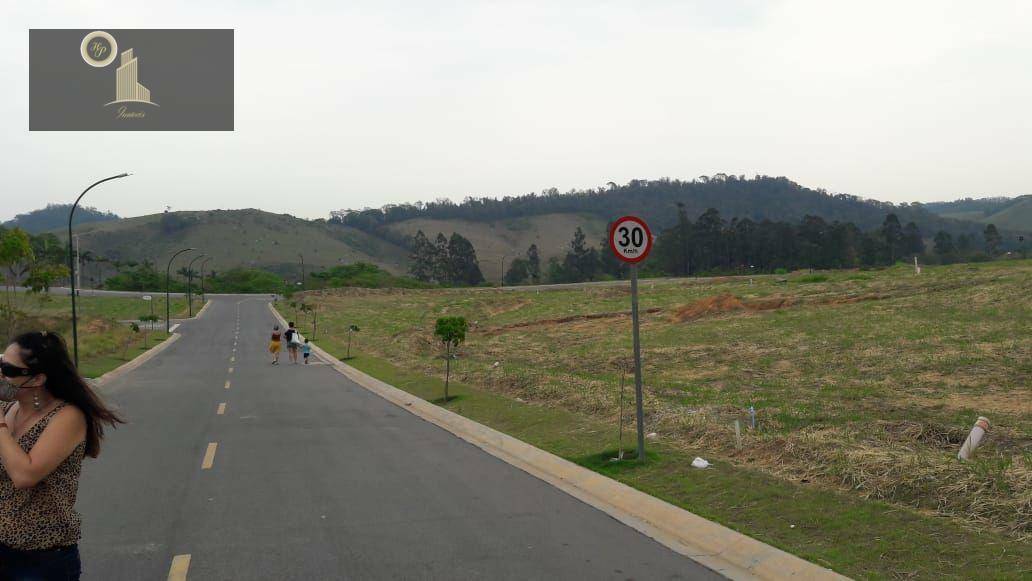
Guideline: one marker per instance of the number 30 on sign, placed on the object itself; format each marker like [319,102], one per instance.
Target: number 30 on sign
[630,239]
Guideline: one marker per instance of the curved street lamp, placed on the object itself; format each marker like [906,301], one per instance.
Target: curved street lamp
[189,282]
[168,275]
[71,263]
[203,262]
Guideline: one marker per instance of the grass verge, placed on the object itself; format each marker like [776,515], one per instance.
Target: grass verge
[860,538]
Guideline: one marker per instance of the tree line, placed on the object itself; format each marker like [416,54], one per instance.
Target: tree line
[712,245]
[445,261]
[759,198]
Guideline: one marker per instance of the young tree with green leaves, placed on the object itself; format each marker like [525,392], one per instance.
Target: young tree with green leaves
[451,332]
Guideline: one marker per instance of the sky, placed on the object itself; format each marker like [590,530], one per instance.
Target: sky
[345,104]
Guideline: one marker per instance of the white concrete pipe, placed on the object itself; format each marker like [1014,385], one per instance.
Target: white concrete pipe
[974,439]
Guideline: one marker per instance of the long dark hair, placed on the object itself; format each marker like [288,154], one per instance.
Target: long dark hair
[47,353]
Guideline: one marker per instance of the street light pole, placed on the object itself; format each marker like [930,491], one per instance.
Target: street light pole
[203,262]
[71,264]
[302,270]
[168,275]
[189,283]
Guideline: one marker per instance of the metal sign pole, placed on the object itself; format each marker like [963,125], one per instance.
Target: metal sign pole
[637,363]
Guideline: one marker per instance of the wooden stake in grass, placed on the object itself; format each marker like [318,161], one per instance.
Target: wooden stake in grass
[351,329]
[451,331]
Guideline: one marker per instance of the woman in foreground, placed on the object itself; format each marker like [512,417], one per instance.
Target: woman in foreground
[49,419]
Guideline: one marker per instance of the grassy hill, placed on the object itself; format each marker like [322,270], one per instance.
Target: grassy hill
[247,238]
[495,239]
[506,227]
[1007,213]
[55,216]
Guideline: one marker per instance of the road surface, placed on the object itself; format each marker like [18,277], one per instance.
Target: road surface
[290,472]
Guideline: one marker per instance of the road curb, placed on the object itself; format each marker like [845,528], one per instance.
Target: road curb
[730,553]
[207,304]
[137,361]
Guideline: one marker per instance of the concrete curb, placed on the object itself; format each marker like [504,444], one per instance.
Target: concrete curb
[146,355]
[730,553]
[201,312]
[137,361]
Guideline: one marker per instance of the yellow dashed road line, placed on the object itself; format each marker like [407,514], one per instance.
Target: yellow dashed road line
[221,410]
[180,566]
[209,456]
[227,384]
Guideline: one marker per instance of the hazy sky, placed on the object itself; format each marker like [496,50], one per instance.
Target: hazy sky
[351,104]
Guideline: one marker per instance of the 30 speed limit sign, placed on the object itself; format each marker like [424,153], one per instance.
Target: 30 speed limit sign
[630,239]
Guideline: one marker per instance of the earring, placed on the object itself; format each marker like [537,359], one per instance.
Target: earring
[35,400]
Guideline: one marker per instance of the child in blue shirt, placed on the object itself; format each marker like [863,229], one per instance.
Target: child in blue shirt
[306,350]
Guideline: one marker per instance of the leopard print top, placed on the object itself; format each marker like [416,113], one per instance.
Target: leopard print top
[41,517]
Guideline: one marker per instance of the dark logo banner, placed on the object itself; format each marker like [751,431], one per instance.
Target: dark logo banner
[130,80]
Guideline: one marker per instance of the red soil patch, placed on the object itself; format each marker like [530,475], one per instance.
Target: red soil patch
[727,303]
[564,320]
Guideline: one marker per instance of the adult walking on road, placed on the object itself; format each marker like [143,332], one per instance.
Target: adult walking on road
[274,345]
[51,419]
[293,342]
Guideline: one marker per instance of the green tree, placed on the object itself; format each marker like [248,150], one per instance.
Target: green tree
[913,243]
[944,244]
[992,240]
[16,258]
[892,235]
[441,260]
[462,258]
[519,270]
[451,332]
[421,265]
[534,263]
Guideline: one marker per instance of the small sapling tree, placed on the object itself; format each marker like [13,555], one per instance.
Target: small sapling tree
[351,329]
[129,340]
[451,331]
[150,320]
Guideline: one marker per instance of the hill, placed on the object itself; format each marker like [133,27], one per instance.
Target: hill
[244,238]
[55,216]
[1008,213]
[495,240]
[503,228]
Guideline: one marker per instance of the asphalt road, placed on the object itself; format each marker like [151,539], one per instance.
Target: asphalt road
[313,477]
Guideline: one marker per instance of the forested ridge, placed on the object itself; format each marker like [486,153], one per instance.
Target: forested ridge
[757,198]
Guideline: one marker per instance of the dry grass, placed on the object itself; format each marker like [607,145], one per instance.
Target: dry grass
[867,382]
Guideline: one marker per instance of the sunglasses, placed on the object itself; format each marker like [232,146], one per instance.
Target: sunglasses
[10,370]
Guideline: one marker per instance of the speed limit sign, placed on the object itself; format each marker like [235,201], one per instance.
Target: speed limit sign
[630,239]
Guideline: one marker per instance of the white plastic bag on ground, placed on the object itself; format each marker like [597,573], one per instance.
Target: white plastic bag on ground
[700,463]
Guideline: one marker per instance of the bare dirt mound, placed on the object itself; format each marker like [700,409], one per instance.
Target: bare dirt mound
[727,303]
[724,303]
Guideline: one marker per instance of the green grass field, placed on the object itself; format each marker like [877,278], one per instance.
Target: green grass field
[104,342]
[864,384]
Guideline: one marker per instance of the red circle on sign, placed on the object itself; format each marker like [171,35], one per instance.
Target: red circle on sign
[647,242]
